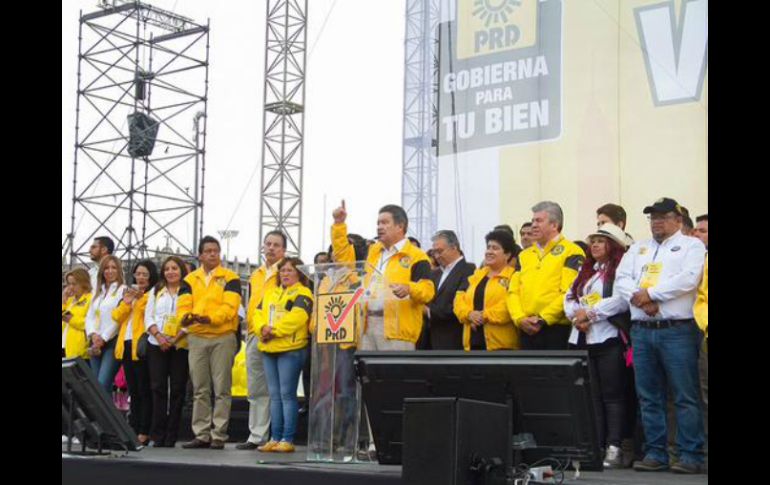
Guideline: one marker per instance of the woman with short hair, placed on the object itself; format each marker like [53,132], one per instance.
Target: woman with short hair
[76,297]
[480,303]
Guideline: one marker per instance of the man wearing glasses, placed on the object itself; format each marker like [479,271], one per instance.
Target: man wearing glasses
[660,278]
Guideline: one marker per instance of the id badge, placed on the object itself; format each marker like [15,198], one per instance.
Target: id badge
[590,300]
[276,314]
[650,275]
[171,326]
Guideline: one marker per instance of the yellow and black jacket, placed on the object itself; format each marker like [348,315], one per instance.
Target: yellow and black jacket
[410,266]
[259,284]
[293,307]
[76,344]
[499,330]
[121,314]
[701,308]
[542,279]
[219,301]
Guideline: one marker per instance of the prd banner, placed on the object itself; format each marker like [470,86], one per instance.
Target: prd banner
[500,74]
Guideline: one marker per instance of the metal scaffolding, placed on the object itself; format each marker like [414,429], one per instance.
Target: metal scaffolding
[419,194]
[283,121]
[135,58]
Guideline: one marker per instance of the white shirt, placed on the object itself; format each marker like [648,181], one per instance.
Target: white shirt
[159,309]
[445,271]
[129,334]
[601,329]
[377,304]
[389,253]
[93,272]
[99,317]
[682,258]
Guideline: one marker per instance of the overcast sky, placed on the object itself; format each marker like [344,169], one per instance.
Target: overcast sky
[353,121]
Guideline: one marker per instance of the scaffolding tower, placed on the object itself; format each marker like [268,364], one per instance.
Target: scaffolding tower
[283,121]
[134,58]
[419,194]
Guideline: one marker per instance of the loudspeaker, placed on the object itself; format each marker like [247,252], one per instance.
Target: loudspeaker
[142,132]
[443,437]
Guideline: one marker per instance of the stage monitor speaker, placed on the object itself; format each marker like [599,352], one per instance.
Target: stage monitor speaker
[142,131]
[445,437]
[88,412]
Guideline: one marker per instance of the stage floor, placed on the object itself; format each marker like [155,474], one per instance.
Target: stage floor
[230,464]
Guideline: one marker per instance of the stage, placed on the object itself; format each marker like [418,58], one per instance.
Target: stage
[210,467]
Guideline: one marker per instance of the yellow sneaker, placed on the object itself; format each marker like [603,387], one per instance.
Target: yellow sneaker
[268,447]
[284,447]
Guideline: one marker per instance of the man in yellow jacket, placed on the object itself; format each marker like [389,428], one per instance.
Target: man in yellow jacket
[395,324]
[546,271]
[262,280]
[208,307]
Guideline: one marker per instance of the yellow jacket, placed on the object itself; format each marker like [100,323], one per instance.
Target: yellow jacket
[259,284]
[701,308]
[76,344]
[219,301]
[121,314]
[293,307]
[539,286]
[499,330]
[410,266]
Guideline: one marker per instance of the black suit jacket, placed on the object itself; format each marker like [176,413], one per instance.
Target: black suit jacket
[446,333]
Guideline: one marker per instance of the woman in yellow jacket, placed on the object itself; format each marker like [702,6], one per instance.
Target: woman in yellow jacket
[281,321]
[480,305]
[129,314]
[74,306]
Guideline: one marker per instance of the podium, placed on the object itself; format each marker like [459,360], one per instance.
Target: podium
[350,300]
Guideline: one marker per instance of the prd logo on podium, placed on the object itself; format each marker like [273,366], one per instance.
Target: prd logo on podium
[337,317]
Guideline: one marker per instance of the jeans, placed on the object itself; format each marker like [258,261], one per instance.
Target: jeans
[282,371]
[668,359]
[106,366]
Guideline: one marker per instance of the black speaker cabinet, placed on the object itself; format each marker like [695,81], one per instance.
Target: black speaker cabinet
[441,436]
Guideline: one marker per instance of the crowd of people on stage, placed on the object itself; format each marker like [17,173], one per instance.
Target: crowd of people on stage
[639,308]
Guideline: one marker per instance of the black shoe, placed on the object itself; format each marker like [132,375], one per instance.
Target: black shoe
[170,443]
[687,468]
[650,465]
[196,443]
[217,445]
[246,446]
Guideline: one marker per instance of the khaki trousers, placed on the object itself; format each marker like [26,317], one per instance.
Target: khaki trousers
[211,361]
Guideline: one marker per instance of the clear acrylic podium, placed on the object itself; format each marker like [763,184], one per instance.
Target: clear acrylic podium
[348,298]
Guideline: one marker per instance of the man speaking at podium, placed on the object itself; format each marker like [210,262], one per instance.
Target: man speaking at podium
[404,267]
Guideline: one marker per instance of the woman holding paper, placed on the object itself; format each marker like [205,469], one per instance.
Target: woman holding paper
[166,353]
[282,324]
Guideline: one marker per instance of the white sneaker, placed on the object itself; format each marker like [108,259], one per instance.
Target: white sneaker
[64,439]
[614,457]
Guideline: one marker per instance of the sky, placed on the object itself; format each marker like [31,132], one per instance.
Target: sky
[353,114]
